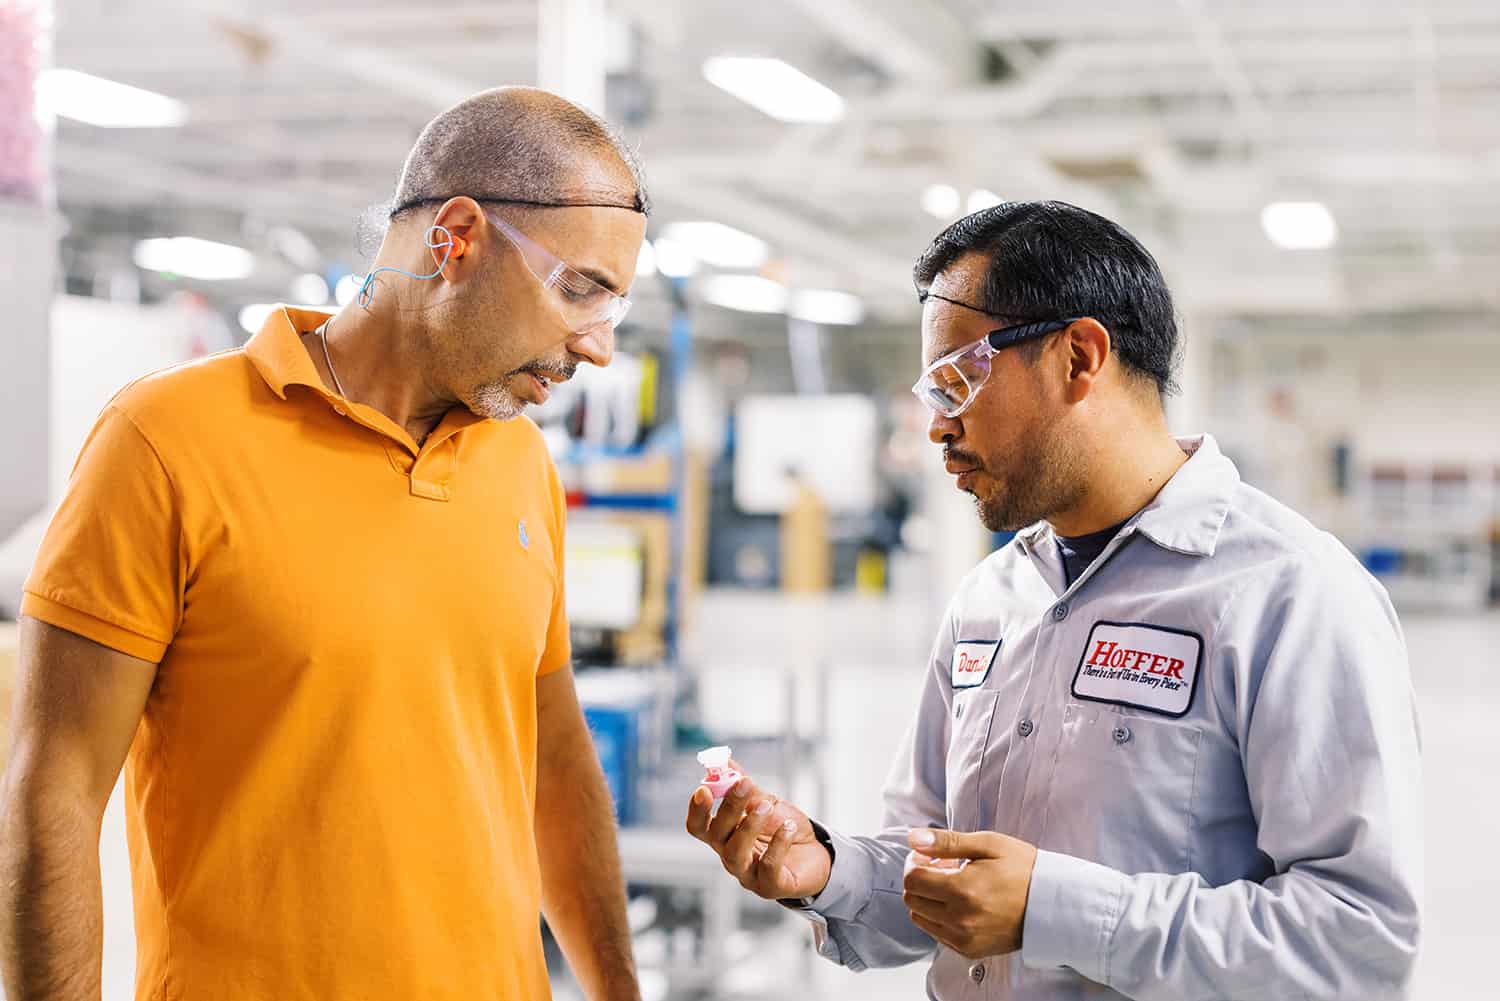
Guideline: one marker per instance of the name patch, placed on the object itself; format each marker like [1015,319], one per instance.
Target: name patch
[972,660]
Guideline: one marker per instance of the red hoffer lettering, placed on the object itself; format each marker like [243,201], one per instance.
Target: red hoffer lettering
[1108,653]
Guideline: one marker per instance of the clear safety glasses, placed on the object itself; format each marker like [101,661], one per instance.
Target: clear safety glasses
[585,305]
[949,384]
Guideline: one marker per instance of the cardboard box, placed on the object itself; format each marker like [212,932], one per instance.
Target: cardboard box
[636,474]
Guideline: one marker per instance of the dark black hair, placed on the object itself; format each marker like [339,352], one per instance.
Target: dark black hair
[1052,260]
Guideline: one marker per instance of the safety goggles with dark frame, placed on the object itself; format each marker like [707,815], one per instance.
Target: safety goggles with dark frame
[948,386]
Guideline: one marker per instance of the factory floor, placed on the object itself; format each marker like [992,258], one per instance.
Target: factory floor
[760,656]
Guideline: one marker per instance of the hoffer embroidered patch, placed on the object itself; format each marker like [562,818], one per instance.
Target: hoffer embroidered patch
[1140,665]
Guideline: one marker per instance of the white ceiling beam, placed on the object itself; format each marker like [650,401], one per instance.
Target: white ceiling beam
[379,19]
[1287,85]
[1253,120]
[317,202]
[795,235]
[1130,21]
[349,112]
[1218,285]
[141,61]
[374,66]
[917,41]
[665,21]
[1334,116]
[1021,99]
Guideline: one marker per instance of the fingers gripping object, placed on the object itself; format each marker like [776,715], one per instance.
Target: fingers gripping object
[719,775]
[916,860]
[437,238]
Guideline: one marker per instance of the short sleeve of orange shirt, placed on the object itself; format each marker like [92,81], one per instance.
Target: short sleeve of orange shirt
[111,567]
[331,793]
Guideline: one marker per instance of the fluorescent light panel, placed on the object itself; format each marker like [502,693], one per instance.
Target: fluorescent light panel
[774,87]
[1299,225]
[253,316]
[746,293]
[718,245]
[106,103]
[754,294]
[940,200]
[674,260]
[981,199]
[309,288]
[346,288]
[645,261]
[191,257]
[827,306]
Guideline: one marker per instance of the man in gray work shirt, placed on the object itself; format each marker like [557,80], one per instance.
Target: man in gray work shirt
[1166,744]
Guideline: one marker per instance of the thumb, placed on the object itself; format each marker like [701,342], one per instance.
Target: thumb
[952,844]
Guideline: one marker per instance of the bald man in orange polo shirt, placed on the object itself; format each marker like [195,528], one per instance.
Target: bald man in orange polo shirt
[314,589]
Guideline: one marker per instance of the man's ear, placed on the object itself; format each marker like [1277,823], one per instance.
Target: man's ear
[452,233]
[1088,346]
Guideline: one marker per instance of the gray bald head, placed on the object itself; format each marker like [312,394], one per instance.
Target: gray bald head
[520,144]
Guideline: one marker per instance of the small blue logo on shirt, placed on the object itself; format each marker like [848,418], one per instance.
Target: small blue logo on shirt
[521,531]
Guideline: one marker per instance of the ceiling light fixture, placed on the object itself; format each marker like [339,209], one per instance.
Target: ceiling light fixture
[309,288]
[1299,225]
[746,293]
[645,261]
[981,199]
[718,245]
[674,260]
[84,97]
[775,87]
[827,306]
[940,200]
[254,316]
[191,257]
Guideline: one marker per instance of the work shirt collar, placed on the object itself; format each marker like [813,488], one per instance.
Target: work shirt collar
[1187,514]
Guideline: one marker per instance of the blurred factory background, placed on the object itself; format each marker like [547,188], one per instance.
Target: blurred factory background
[761,539]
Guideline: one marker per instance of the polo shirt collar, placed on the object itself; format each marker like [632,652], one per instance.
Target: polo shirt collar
[277,352]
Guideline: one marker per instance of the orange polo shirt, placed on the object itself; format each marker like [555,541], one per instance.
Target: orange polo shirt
[331,793]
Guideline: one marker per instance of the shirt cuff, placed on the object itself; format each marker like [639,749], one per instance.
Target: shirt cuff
[91,627]
[850,881]
[1071,913]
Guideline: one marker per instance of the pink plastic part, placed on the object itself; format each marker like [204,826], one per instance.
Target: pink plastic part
[916,860]
[720,780]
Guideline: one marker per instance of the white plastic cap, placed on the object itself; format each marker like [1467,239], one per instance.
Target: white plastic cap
[714,757]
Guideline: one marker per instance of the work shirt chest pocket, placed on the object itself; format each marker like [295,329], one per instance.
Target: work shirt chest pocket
[1122,790]
[970,758]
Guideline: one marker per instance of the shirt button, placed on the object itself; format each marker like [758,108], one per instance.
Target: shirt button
[958,710]
[976,973]
[1121,734]
[1026,729]
[1060,612]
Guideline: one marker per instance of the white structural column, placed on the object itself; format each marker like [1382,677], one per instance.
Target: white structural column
[570,50]
[28,251]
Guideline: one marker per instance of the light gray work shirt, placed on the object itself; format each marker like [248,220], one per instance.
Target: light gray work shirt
[1211,737]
